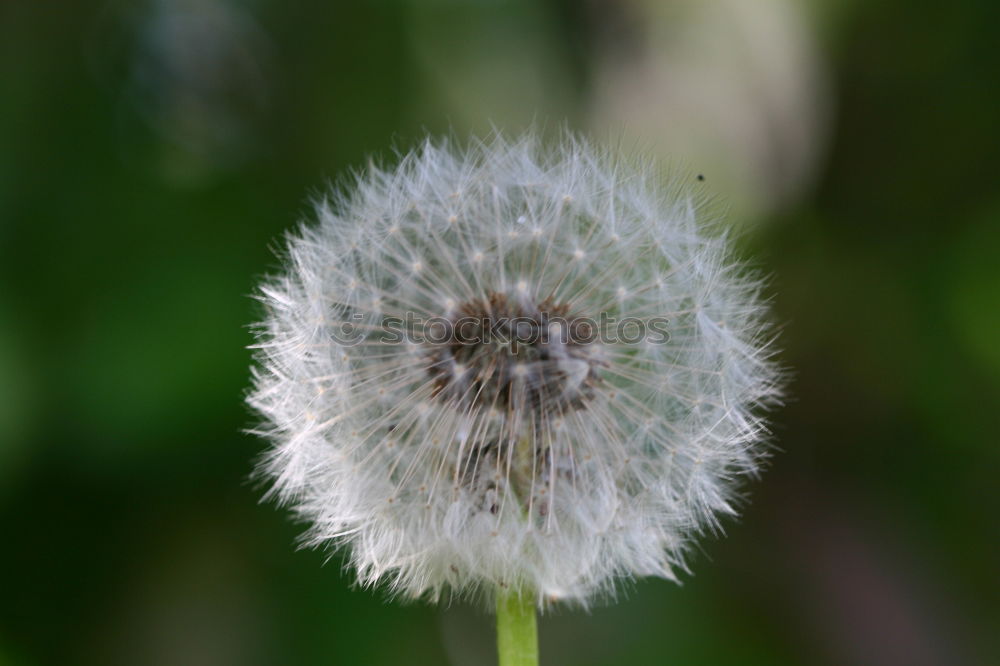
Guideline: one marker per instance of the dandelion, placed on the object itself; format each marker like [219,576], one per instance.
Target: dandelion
[513,371]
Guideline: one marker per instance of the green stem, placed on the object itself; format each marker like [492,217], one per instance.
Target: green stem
[517,634]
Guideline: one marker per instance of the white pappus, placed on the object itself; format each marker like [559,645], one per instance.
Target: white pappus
[512,364]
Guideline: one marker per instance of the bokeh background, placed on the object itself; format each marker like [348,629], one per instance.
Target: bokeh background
[152,153]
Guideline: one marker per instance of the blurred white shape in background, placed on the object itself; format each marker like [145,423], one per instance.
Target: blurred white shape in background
[198,75]
[733,89]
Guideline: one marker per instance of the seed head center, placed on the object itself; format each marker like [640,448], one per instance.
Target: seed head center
[514,354]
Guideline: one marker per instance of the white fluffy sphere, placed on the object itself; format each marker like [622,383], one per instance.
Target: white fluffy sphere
[511,365]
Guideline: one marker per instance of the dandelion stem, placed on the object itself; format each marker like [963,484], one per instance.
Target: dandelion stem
[517,633]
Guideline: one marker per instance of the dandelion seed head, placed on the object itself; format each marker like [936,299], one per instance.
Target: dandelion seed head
[448,397]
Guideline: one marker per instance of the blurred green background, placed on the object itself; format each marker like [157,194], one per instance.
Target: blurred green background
[152,152]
